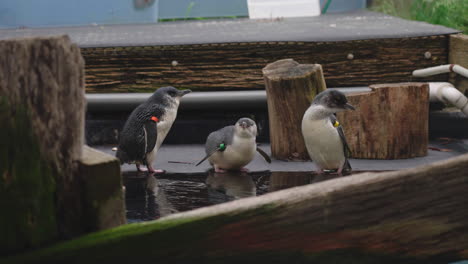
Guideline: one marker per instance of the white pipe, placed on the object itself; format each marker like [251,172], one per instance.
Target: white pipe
[441,69]
[446,93]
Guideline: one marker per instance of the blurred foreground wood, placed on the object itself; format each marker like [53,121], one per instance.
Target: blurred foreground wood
[42,113]
[290,88]
[410,216]
[390,122]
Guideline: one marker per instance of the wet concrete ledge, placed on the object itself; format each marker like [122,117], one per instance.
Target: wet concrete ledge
[182,159]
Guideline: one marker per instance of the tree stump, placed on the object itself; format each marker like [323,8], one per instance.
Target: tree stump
[390,122]
[42,113]
[290,88]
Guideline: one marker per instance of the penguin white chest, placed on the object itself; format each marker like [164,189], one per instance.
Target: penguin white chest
[163,127]
[237,155]
[323,143]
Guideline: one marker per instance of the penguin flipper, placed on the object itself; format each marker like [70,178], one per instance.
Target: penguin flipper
[207,156]
[218,141]
[264,155]
[346,149]
[151,136]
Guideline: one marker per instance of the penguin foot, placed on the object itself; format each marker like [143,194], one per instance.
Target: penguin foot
[139,168]
[153,171]
[319,171]
[244,170]
[219,170]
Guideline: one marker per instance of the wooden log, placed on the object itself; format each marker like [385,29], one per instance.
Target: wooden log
[42,105]
[42,94]
[416,215]
[290,88]
[102,187]
[237,66]
[458,54]
[391,122]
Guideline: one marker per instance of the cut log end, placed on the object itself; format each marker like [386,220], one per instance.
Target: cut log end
[390,122]
[290,88]
[288,69]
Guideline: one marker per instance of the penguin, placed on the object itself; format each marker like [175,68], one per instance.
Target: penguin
[233,147]
[323,135]
[147,127]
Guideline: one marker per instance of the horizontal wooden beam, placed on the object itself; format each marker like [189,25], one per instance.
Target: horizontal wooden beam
[238,66]
[410,216]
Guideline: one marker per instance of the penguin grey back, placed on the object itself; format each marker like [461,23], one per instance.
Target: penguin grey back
[223,135]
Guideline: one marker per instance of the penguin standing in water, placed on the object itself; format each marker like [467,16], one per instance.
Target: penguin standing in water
[233,147]
[323,135]
[147,127]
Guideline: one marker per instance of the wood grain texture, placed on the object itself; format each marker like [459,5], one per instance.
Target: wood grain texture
[290,88]
[104,201]
[391,122]
[418,215]
[42,89]
[458,54]
[237,66]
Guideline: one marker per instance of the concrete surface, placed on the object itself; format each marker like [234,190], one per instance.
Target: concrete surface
[330,27]
[187,156]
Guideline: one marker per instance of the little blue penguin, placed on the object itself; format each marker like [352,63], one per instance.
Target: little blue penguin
[147,127]
[324,137]
[233,147]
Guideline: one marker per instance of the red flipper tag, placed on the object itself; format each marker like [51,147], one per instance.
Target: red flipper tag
[155,119]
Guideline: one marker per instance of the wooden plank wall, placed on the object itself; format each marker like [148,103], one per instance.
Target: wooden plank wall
[237,66]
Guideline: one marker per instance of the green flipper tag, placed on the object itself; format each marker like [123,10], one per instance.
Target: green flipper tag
[222,147]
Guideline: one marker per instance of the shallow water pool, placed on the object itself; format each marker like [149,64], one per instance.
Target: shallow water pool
[149,197]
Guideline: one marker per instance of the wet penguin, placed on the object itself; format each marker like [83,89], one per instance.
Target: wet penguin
[323,135]
[147,127]
[233,147]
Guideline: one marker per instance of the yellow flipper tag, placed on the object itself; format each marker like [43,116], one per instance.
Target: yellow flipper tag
[336,124]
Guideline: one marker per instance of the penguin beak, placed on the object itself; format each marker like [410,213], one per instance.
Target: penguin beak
[349,107]
[184,92]
[244,125]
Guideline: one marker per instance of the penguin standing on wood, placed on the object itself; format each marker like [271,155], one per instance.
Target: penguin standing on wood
[324,138]
[147,127]
[233,147]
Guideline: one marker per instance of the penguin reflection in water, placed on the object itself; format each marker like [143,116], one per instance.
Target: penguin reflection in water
[323,135]
[147,127]
[233,147]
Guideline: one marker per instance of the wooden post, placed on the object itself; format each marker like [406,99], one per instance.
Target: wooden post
[410,216]
[290,88]
[391,122]
[458,54]
[102,190]
[42,113]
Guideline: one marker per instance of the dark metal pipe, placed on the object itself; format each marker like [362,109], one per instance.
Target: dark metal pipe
[225,100]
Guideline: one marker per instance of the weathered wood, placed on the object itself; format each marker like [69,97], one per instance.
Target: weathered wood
[42,112]
[391,122]
[42,94]
[290,88]
[458,54]
[237,66]
[104,202]
[411,216]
